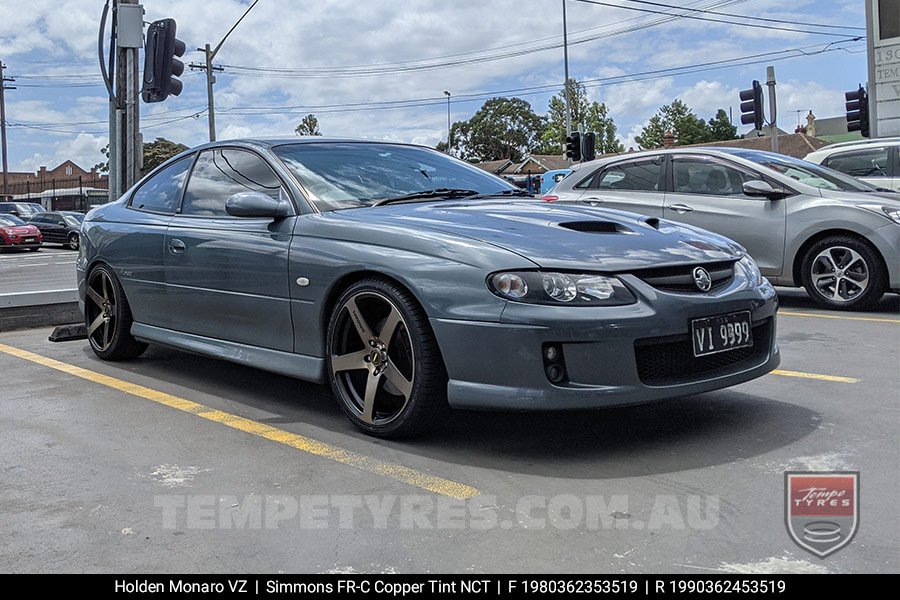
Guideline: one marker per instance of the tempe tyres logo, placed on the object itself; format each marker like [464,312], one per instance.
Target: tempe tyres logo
[821,509]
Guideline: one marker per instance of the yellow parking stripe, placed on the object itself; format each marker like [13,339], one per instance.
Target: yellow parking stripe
[786,313]
[802,375]
[437,485]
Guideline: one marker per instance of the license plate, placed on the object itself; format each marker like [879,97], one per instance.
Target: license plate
[712,335]
[27,240]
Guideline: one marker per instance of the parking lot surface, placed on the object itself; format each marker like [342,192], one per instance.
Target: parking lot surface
[174,462]
[50,268]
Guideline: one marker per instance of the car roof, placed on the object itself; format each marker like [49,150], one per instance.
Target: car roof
[699,150]
[284,141]
[867,142]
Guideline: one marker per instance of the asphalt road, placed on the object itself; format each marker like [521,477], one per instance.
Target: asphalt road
[216,467]
[50,268]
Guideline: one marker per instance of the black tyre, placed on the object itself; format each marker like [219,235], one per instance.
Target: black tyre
[844,273]
[108,317]
[384,363]
[35,249]
[72,241]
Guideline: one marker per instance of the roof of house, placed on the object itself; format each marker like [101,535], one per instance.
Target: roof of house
[797,145]
[532,163]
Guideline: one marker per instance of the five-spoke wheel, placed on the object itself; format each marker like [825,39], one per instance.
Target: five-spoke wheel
[384,365]
[108,317]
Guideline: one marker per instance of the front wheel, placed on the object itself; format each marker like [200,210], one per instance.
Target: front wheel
[383,360]
[72,241]
[843,273]
[107,316]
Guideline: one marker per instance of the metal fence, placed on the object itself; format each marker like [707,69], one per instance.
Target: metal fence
[73,193]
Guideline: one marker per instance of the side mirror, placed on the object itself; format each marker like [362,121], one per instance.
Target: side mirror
[760,189]
[255,204]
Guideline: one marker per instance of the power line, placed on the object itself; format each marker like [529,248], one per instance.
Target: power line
[739,16]
[711,20]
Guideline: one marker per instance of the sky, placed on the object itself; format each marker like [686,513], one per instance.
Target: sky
[378,69]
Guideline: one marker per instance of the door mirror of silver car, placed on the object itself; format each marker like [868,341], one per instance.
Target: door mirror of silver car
[761,189]
[255,204]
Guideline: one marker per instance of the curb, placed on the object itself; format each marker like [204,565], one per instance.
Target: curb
[27,310]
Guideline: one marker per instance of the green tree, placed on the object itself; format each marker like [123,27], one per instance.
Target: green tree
[155,153]
[720,127]
[502,128]
[159,151]
[586,116]
[680,120]
[309,125]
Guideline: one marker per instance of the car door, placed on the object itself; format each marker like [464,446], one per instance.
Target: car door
[140,239]
[51,228]
[874,165]
[632,185]
[40,221]
[708,192]
[227,277]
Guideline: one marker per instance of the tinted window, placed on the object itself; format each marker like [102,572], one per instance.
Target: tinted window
[352,175]
[219,174]
[639,175]
[161,192]
[871,162]
[702,176]
[39,218]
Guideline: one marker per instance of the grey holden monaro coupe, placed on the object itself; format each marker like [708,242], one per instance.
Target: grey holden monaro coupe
[411,281]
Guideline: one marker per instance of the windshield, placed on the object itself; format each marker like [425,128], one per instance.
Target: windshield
[339,175]
[807,172]
[74,220]
[10,221]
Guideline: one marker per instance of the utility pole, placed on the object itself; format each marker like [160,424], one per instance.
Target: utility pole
[566,68]
[3,88]
[209,54]
[449,131]
[773,121]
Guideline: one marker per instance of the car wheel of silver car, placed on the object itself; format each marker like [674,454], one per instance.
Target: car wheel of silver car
[843,272]
[72,241]
[383,360]
[108,317]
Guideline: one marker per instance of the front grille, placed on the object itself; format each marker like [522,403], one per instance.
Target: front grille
[671,361]
[681,278]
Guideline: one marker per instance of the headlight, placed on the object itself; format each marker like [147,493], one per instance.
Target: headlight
[539,287]
[751,270]
[890,212]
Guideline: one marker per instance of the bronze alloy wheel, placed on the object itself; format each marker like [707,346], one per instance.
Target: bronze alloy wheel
[107,316]
[384,364]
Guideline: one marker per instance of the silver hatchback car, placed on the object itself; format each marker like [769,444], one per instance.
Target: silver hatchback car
[805,225]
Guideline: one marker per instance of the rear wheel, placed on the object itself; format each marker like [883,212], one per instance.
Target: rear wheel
[843,272]
[383,360]
[108,317]
[35,249]
[72,241]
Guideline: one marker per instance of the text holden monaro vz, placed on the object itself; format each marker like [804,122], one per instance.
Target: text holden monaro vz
[410,280]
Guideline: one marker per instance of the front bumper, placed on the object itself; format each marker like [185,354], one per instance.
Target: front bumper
[613,355]
[887,240]
[17,244]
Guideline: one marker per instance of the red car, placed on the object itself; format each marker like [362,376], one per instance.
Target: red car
[15,233]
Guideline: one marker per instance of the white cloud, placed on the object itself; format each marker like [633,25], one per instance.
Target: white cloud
[83,150]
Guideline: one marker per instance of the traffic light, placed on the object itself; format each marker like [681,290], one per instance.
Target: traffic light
[858,111]
[589,146]
[573,146]
[752,106]
[161,65]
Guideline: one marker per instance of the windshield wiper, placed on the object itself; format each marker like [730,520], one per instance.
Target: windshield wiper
[516,192]
[443,193]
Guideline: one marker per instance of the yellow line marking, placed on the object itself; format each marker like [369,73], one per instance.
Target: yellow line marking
[820,316]
[437,485]
[802,375]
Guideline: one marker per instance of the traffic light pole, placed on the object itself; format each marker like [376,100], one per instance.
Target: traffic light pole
[773,114]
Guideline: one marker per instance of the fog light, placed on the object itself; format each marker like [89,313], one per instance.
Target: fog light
[555,373]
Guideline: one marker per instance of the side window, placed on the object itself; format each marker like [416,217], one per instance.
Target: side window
[700,176]
[872,162]
[161,192]
[39,219]
[639,176]
[221,173]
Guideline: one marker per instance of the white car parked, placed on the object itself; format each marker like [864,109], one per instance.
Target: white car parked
[876,162]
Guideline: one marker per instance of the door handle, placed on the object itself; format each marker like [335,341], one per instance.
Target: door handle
[594,200]
[680,208]
[176,247]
